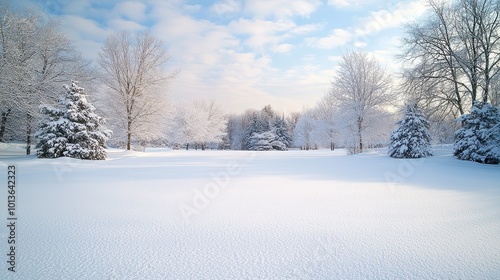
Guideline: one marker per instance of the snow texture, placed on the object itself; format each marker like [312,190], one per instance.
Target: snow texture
[412,138]
[275,215]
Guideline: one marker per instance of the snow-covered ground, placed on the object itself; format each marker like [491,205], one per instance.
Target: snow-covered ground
[243,215]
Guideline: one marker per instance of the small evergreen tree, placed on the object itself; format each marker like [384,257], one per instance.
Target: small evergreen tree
[73,130]
[479,138]
[412,138]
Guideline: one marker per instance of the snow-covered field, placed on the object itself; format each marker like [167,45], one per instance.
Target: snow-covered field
[243,215]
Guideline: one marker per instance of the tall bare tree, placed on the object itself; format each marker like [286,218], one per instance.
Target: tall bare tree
[361,88]
[454,54]
[135,74]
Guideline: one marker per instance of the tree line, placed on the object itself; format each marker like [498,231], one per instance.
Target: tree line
[452,66]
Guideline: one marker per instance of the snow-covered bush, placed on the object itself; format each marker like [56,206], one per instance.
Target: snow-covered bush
[479,138]
[412,138]
[72,129]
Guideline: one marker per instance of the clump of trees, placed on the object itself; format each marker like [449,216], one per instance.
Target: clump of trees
[266,130]
[36,58]
[454,68]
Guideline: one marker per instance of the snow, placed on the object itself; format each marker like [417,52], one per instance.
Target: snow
[268,215]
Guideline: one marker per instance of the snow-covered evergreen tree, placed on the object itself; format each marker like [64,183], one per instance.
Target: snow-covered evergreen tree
[479,138]
[262,141]
[72,130]
[282,131]
[412,138]
[53,133]
[253,128]
[266,141]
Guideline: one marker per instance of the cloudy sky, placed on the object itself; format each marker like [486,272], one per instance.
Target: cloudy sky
[246,54]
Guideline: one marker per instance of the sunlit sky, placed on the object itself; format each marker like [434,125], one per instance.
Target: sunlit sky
[246,54]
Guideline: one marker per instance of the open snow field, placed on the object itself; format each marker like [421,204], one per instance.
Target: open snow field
[243,215]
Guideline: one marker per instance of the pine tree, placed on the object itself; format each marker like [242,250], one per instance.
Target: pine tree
[479,138]
[412,138]
[53,133]
[255,126]
[73,130]
[282,131]
[262,141]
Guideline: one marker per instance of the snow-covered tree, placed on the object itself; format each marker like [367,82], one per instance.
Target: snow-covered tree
[266,141]
[304,131]
[412,138]
[254,127]
[262,141]
[35,58]
[361,88]
[72,129]
[199,123]
[134,73]
[215,123]
[282,131]
[188,124]
[265,126]
[479,138]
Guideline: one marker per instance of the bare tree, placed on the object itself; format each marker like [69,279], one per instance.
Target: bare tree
[134,72]
[361,88]
[454,54]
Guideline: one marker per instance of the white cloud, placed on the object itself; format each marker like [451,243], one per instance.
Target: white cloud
[376,22]
[226,7]
[339,3]
[121,24]
[191,8]
[349,3]
[281,9]
[384,19]
[307,28]
[261,33]
[360,44]
[282,48]
[132,10]
[338,37]
[84,27]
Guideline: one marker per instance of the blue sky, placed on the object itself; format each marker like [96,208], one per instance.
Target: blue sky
[246,54]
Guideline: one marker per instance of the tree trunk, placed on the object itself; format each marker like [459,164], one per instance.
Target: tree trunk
[129,134]
[3,124]
[28,134]
[187,146]
[360,136]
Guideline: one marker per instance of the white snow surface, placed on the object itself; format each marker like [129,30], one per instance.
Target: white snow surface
[276,215]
